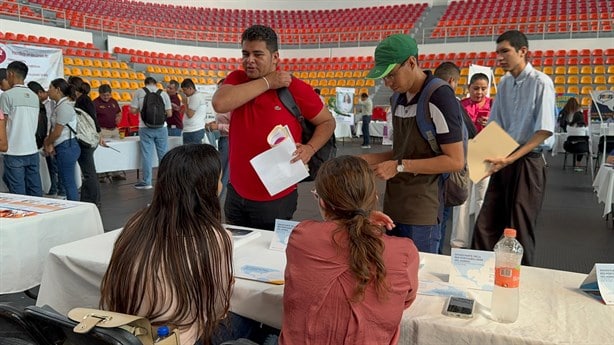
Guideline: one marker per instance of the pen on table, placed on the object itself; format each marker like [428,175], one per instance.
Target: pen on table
[114,149]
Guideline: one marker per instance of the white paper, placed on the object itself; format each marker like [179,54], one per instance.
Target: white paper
[473,269]
[275,170]
[605,280]
[434,288]
[283,229]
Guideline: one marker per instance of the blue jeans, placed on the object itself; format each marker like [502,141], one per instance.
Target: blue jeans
[56,184]
[222,146]
[174,132]
[444,221]
[195,137]
[150,138]
[366,137]
[66,154]
[425,237]
[21,174]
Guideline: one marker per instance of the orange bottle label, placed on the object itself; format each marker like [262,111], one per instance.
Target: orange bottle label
[507,277]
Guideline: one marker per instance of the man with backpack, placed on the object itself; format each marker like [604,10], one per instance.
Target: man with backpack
[154,106]
[251,95]
[20,107]
[414,189]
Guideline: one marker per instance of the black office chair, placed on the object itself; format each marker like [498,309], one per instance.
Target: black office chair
[15,329]
[58,329]
[576,145]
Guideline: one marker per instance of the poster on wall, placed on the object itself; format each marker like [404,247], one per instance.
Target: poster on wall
[602,107]
[345,100]
[208,90]
[44,64]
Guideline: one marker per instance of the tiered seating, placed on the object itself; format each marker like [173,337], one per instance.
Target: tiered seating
[222,25]
[493,17]
[69,47]
[13,8]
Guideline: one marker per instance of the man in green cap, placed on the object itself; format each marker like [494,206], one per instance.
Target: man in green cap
[413,198]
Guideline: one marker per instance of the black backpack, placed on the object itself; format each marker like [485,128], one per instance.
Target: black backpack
[326,152]
[153,113]
[41,129]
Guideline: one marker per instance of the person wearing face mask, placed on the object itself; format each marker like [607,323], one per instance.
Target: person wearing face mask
[251,95]
[525,109]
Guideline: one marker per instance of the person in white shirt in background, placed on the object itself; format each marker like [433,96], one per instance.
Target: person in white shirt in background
[195,113]
[365,111]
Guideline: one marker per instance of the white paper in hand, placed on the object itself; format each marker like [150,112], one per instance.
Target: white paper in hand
[274,169]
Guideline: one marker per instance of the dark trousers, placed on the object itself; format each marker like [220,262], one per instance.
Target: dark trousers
[90,187]
[366,136]
[513,200]
[258,214]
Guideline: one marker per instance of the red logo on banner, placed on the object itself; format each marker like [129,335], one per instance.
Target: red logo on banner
[2,55]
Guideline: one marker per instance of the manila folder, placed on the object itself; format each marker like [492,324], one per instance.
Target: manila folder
[491,142]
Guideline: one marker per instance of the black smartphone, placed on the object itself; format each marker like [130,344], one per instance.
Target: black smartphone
[459,307]
[239,232]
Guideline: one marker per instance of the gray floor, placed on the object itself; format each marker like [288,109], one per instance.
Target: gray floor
[572,235]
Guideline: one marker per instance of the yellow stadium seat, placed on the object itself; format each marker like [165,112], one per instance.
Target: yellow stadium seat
[88,62]
[149,69]
[124,75]
[573,70]
[105,82]
[94,94]
[464,72]
[599,79]
[341,83]
[322,82]
[357,74]
[221,74]
[313,75]
[586,101]
[304,75]
[330,74]
[351,83]
[123,65]
[586,90]
[363,90]
[573,89]
[86,72]
[115,95]
[558,70]
[493,91]
[586,80]
[497,79]
[106,64]
[77,61]
[106,73]
[201,73]
[96,73]
[97,63]
[459,90]
[193,73]
[66,71]
[559,89]
[611,79]
[95,83]
[167,78]
[325,91]
[202,80]
[586,70]
[572,79]
[347,74]
[599,70]
[332,83]
[115,84]
[126,97]
[601,88]
[462,81]
[611,69]
[210,81]
[68,61]
[559,79]
[132,75]
[140,76]
[134,85]
[115,65]
[370,83]
[75,71]
[124,85]
[499,71]
[115,74]
[360,82]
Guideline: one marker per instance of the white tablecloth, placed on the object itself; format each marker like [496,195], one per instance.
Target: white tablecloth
[604,187]
[376,128]
[552,309]
[25,242]
[343,130]
[129,155]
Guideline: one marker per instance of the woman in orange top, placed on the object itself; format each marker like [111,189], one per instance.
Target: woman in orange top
[346,281]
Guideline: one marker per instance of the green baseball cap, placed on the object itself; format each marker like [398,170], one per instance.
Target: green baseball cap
[393,50]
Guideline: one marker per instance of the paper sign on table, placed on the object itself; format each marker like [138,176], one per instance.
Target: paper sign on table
[273,166]
[435,288]
[600,283]
[491,142]
[472,269]
[283,229]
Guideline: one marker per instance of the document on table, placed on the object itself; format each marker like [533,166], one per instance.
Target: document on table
[491,142]
[473,269]
[273,166]
[281,234]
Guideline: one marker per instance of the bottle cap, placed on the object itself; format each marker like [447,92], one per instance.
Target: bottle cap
[509,232]
[163,331]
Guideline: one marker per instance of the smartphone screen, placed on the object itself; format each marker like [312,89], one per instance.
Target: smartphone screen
[239,232]
[460,307]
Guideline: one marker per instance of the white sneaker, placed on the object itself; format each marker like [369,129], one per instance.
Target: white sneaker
[366,146]
[142,185]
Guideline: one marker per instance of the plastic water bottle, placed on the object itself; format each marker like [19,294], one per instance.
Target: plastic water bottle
[163,332]
[505,296]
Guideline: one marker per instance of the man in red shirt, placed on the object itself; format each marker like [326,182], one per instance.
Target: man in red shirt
[251,95]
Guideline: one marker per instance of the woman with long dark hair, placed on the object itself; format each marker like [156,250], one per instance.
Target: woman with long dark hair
[346,281]
[61,141]
[172,263]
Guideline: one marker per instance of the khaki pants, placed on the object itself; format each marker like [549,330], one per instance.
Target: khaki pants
[109,133]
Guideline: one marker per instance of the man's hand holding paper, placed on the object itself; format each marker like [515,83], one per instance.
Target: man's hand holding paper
[487,153]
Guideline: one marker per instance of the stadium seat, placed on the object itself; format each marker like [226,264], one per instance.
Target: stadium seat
[573,70]
[573,90]
[599,79]
[586,80]
[572,79]
[586,90]
[549,71]
[586,70]
[559,80]
[560,70]
[559,89]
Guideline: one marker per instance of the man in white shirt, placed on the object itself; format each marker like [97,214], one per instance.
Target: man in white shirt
[20,106]
[150,137]
[365,111]
[195,113]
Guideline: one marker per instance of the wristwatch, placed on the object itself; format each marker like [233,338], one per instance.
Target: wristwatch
[400,167]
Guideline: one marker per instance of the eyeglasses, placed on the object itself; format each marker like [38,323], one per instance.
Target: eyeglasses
[315,194]
[392,74]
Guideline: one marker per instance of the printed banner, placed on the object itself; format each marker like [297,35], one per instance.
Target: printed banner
[602,108]
[345,100]
[44,64]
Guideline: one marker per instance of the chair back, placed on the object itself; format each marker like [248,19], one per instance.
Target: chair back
[58,329]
